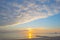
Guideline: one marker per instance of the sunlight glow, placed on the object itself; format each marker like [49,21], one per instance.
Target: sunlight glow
[29,33]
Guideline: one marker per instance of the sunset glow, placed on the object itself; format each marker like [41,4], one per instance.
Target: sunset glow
[29,33]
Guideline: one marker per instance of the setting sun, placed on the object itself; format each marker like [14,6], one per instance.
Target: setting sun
[29,33]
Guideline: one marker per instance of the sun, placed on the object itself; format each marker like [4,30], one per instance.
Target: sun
[29,33]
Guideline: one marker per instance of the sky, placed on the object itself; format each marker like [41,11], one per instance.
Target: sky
[20,14]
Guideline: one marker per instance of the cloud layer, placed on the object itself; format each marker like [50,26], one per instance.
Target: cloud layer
[17,11]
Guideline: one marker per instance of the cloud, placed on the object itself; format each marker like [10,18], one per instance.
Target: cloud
[13,12]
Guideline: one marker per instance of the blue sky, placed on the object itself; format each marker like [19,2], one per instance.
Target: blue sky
[52,22]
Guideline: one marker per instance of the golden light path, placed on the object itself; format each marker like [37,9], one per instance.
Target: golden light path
[29,33]
[32,30]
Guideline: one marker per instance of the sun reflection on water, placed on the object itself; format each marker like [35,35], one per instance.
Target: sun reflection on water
[29,33]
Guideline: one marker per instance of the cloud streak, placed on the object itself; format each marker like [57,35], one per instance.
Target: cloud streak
[13,12]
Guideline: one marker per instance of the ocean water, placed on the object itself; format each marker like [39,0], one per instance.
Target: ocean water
[26,36]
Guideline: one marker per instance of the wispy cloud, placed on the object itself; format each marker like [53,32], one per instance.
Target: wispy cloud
[12,12]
